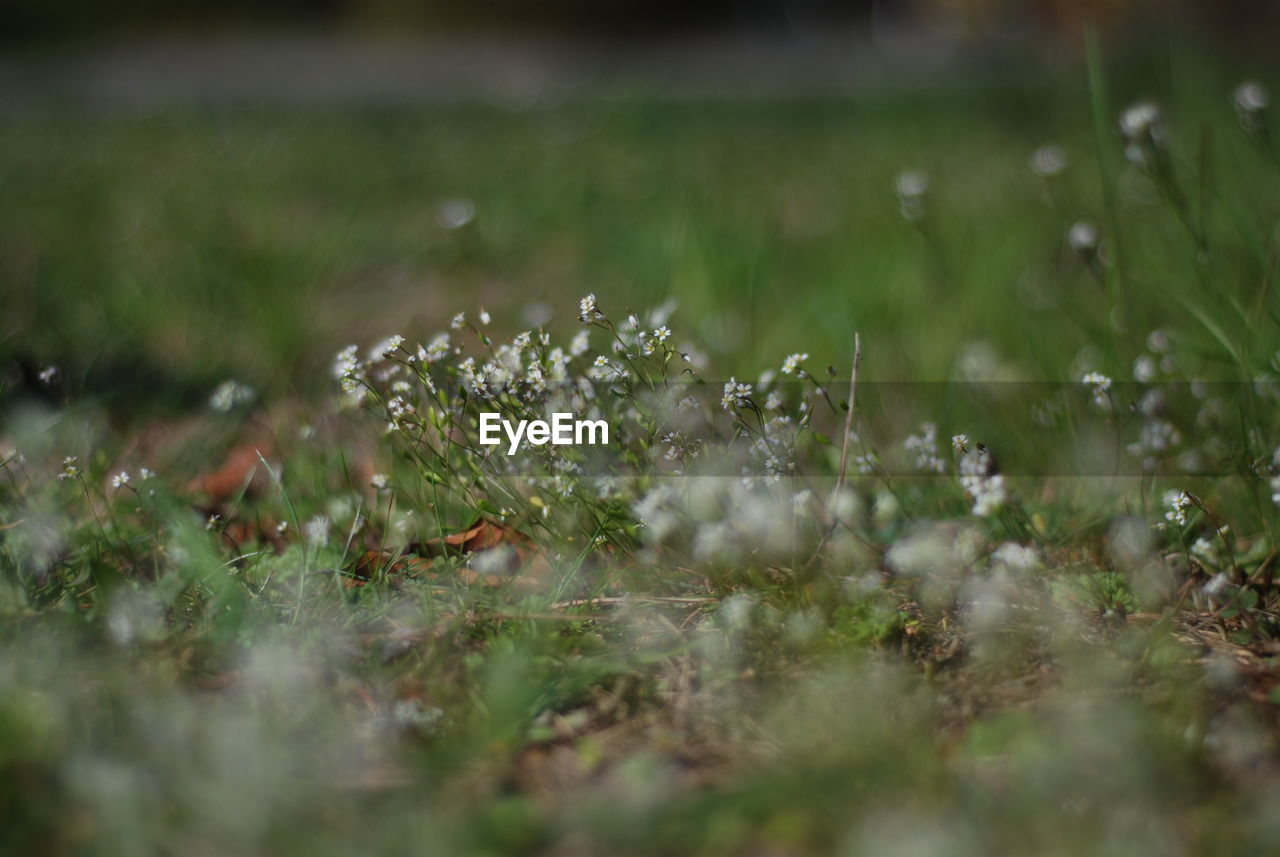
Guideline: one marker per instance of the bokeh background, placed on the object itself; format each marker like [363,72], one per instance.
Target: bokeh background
[197,191]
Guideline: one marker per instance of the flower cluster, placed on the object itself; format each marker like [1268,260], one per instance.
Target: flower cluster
[924,446]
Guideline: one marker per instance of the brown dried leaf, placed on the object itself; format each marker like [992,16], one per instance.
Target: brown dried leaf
[222,483]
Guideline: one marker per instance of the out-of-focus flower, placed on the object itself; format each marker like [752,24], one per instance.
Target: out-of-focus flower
[912,186]
[1049,161]
[1083,238]
[1251,101]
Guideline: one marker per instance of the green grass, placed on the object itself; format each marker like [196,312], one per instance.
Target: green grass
[191,245]
[714,671]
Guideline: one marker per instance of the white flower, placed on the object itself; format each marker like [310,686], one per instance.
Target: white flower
[911,187]
[792,364]
[1083,238]
[459,321]
[736,395]
[120,480]
[229,394]
[317,530]
[773,401]
[282,526]
[144,474]
[960,442]
[1141,121]
[925,447]
[437,348]
[981,482]
[455,213]
[70,467]
[1205,549]
[398,408]
[522,340]
[386,347]
[1179,503]
[581,343]
[588,310]
[661,333]
[484,316]
[212,522]
[1048,161]
[48,375]
[988,494]
[1251,101]
[379,481]
[346,363]
[1145,369]
[1017,557]
[1101,388]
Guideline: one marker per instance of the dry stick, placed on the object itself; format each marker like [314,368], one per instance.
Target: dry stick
[844,450]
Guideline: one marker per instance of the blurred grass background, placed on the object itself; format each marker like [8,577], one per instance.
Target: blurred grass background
[187,244]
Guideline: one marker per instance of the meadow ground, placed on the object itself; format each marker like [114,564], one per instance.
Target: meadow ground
[256,598]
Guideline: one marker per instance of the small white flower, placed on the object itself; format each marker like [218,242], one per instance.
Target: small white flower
[48,375]
[925,447]
[386,347]
[581,343]
[960,442]
[317,530]
[1145,369]
[70,467]
[459,321]
[1251,101]
[120,480]
[144,474]
[792,364]
[1048,161]
[1083,238]
[1179,503]
[438,348]
[1141,121]
[773,401]
[346,363]
[230,394]
[211,523]
[1017,557]
[282,527]
[455,213]
[911,186]
[1205,550]
[589,311]
[661,333]
[736,395]
[484,316]
[1101,388]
